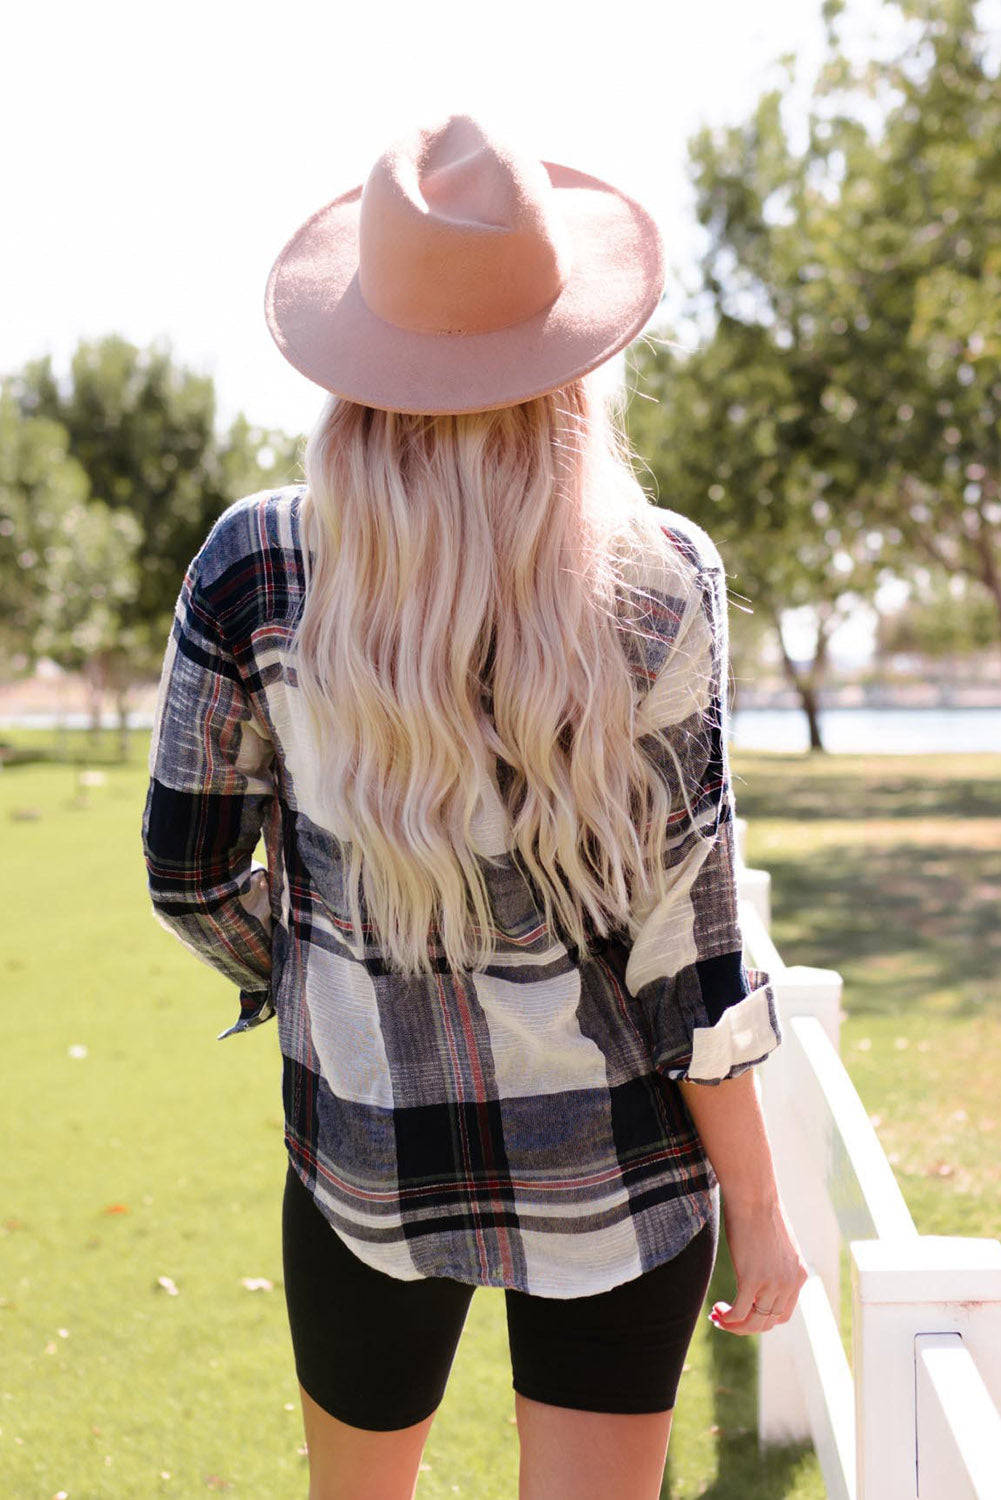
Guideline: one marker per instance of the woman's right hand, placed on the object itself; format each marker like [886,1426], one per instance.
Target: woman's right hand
[769,1267]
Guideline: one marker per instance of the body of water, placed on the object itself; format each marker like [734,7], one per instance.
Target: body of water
[853,731]
[871,731]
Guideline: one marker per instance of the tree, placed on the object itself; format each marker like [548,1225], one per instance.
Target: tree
[946,616]
[729,444]
[40,485]
[255,458]
[921,201]
[143,429]
[92,580]
[140,429]
[838,415]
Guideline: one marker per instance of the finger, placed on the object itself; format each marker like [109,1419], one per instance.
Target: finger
[786,1297]
[758,1317]
[741,1308]
[722,1315]
[748,1304]
[778,1309]
[754,1323]
[784,1309]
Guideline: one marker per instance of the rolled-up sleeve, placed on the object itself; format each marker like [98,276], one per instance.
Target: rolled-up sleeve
[211,783]
[710,1016]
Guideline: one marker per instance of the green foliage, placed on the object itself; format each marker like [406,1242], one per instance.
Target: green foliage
[92,579]
[109,484]
[143,429]
[945,617]
[833,411]
[922,344]
[41,485]
[255,458]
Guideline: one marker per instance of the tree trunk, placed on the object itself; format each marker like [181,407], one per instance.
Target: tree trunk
[805,683]
[990,576]
[122,707]
[61,745]
[94,676]
[812,710]
[62,738]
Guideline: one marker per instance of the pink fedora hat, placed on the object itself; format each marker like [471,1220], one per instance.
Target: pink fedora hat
[463,276]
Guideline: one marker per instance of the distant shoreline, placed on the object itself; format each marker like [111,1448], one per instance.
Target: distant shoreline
[30,697]
[859,730]
[863,729]
[919,696]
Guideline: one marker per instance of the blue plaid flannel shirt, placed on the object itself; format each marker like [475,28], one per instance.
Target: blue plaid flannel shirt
[520,1127]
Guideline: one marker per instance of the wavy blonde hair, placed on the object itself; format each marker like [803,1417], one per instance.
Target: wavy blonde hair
[441,542]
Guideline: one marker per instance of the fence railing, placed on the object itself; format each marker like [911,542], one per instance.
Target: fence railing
[915,1414]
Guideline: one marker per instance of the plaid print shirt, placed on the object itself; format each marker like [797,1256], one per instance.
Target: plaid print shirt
[519,1127]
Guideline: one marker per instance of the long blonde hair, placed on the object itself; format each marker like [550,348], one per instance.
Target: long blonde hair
[441,542]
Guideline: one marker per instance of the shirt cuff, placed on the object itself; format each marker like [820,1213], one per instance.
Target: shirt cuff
[744,1035]
[255,1008]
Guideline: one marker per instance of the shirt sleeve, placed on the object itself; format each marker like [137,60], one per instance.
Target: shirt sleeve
[211,782]
[710,1017]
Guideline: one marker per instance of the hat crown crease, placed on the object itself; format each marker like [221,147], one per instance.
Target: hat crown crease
[459,235]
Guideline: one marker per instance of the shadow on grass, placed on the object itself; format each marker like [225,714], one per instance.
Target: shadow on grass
[743,1471]
[915,920]
[858,787]
[72,747]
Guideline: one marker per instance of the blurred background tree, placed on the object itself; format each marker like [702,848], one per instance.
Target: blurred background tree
[40,484]
[922,346]
[110,482]
[947,616]
[92,583]
[731,445]
[829,406]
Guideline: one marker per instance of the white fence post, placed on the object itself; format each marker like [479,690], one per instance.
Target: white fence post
[958,1422]
[903,1288]
[799,991]
[926,1324]
[755,885]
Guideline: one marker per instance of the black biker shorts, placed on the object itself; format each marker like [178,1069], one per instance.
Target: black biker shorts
[375,1351]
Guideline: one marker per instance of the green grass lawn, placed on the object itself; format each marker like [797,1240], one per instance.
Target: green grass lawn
[157,1152]
[889,870]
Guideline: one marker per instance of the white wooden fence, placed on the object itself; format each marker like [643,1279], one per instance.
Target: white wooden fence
[915,1415]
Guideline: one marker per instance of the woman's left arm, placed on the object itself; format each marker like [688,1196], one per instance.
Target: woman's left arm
[766,1258]
[712,1018]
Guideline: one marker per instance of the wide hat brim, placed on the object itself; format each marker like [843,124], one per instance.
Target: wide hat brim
[322,325]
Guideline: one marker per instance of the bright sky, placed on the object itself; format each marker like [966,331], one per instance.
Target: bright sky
[158,157]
